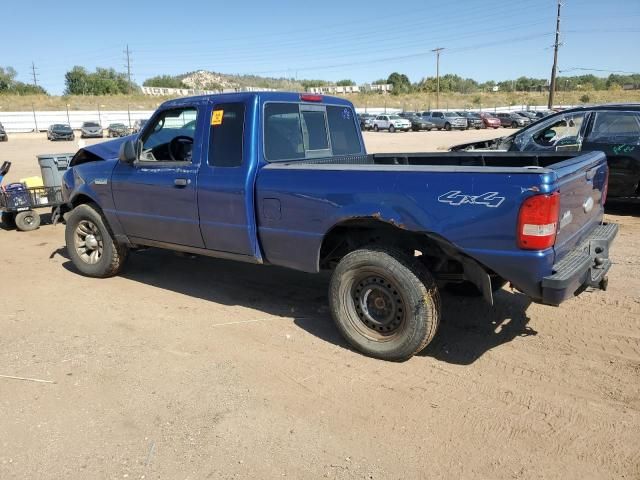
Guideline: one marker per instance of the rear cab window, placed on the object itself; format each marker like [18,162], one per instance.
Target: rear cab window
[616,127]
[299,130]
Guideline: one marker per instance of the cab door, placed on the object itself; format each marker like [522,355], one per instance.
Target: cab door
[155,196]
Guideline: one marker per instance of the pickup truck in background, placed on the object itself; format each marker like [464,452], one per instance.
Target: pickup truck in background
[284,179]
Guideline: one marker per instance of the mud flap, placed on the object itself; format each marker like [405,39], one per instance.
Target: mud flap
[477,275]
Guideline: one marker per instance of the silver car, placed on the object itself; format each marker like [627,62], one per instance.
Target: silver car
[391,123]
[446,120]
[90,130]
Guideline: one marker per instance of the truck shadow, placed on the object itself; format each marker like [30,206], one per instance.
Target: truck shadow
[469,327]
[623,206]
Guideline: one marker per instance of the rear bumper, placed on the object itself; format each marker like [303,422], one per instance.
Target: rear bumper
[583,267]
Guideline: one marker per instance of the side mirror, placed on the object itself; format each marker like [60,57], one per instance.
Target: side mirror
[127,152]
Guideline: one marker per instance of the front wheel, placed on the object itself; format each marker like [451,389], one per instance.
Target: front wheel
[91,245]
[375,128]
[447,126]
[392,129]
[384,302]
[514,125]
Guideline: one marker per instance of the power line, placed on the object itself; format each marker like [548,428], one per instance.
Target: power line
[554,69]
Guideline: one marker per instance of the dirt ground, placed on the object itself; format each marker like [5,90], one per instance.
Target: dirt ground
[185,368]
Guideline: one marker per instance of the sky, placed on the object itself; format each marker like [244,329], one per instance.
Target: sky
[362,40]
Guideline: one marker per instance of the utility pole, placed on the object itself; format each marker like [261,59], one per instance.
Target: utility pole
[33,72]
[554,69]
[437,51]
[127,52]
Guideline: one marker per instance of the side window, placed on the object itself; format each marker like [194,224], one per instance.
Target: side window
[616,127]
[562,131]
[170,137]
[282,131]
[227,135]
[344,134]
[438,114]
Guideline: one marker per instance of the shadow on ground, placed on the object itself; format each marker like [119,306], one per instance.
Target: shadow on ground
[623,206]
[469,327]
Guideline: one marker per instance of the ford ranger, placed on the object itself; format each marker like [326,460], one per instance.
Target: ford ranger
[284,179]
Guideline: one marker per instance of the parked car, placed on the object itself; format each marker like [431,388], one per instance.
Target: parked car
[420,123]
[139,124]
[473,120]
[446,120]
[394,228]
[60,131]
[117,130]
[391,123]
[612,129]
[511,120]
[3,134]
[366,121]
[489,120]
[90,130]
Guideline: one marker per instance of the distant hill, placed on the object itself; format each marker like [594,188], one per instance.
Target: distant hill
[205,80]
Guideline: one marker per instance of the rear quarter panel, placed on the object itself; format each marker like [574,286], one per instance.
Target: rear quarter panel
[477,212]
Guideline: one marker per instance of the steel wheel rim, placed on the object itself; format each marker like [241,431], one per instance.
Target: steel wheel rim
[88,242]
[378,306]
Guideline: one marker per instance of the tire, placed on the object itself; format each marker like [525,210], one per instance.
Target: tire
[392,129]
[447,127]
[428,129]
[403,287]
[85,223]
[514,125]
[375,128]
[27,221]
[8,220]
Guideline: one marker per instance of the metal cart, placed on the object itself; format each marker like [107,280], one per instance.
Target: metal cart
[18,205]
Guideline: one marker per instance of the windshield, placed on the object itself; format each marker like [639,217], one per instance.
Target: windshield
[91,124]
[394,117]
[62,127]
[451,114]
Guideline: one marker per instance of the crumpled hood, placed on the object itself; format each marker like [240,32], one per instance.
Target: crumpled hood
[100,151]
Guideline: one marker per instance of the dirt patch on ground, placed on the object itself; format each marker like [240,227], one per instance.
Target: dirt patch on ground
[203,368]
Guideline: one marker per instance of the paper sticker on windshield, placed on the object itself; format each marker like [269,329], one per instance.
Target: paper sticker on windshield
[216,117]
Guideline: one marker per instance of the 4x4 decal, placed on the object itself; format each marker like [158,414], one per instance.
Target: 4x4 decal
[456,198]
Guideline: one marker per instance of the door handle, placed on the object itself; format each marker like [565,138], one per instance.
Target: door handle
[181,182]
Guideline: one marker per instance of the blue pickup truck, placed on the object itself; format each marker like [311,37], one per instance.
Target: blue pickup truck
[284,179]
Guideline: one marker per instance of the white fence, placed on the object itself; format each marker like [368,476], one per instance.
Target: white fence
[40,121]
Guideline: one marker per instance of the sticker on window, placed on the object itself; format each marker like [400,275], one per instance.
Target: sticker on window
[216,117]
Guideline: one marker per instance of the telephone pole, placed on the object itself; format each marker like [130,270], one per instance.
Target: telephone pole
[127,52]
[33,72]
[437,51]
[554,69]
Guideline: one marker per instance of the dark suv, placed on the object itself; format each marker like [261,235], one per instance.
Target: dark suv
[3,134]
[613,129]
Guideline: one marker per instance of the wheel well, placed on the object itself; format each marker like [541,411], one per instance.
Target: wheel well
[353,234]
[81,200]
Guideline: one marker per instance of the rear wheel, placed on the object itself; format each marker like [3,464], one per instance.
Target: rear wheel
[91,245]
[8,220]
[447,126]
[27,221]
[384,302]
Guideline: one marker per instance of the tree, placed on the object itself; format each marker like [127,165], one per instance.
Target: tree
[345,83]
[164,81]
[9,84]
[400,82]
[104,81]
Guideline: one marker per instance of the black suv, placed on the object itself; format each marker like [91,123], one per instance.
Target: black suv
[3,134]
[612,129]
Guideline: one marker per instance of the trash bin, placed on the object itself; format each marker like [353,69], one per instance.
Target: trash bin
[53,166]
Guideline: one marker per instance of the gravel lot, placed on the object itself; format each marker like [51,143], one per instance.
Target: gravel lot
[202,368]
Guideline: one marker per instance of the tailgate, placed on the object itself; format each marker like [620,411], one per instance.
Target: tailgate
[581,183]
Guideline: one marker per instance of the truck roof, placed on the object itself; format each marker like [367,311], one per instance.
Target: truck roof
[262,96]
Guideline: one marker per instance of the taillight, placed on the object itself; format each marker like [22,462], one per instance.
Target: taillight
[538,221]
[306,97]
[605,188]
